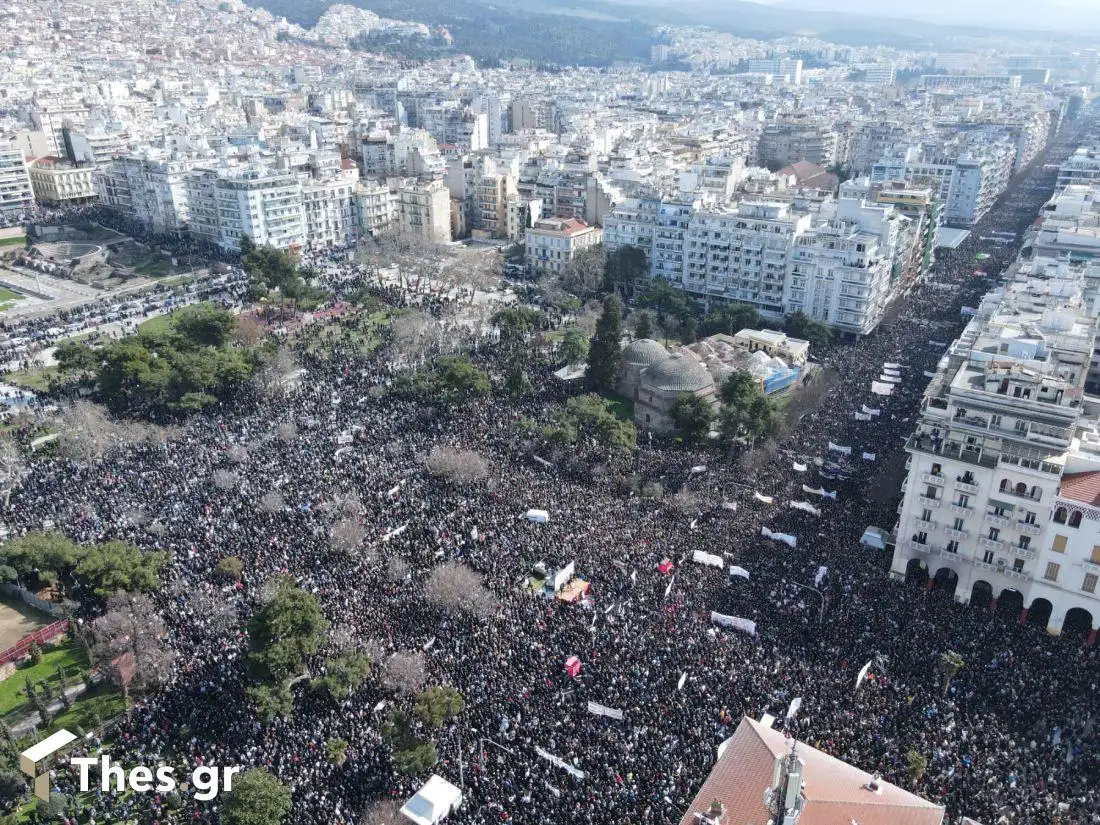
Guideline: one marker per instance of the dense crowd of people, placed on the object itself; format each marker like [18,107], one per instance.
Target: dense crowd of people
[1011,740]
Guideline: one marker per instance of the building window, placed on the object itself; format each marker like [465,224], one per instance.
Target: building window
[1095,557]
[1018,566]
[1059,544]
[930,491]
[994,533]
[926,514]
[987,557]
[1075,519]
[1051,573]
[952,546]
[959,525]
[1089,584]
[1025,542]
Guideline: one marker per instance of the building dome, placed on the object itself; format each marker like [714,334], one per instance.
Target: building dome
[644,352]
[678,373]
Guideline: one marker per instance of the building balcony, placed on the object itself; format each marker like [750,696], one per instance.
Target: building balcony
[1090,567]
[958,535]
[1021,552]
[1009,573]
[996,521]
[933,478]
[952,451]
[966,487]
[960,510]
[918,547]
[928,502]
[992,544]
[1028,528]
[927,526]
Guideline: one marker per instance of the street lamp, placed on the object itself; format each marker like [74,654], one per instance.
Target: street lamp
[821,619]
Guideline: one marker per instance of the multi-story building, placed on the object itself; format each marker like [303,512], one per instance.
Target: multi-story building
[147,189]
[793,139]
[786,67]
[264,204]
[94,147]
[1082,168]
[971,82]
[522,214]
[996,462]
[551,243]
[331,212]
[378,207]
[57,182]
[491,196]
[424,210]
[16,192]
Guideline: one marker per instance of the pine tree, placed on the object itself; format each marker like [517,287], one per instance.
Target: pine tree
[605,353]
[643,327]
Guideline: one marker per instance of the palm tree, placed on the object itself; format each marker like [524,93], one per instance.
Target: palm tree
[918,764]
[950,664]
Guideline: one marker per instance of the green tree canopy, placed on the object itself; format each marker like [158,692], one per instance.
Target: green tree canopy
[693,416]
[592,416]
[643,327]
[437,705]
[574,346]
[458,380]
[285,631]
[626,268]
[75,356]
[516,323]
[801,325]
[203,325]
[343,675]
[116,566]
[605,350]
[257,798]
[729,319]
[746,412]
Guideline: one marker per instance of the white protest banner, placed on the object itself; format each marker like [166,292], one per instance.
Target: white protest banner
[863,674]
[862,417]
[928,374]
[721,619]
[800,468]
[708,559]
[560,763]
[730,505]
[669,588]
[796,703]
[744,625]
[889,379]
[397,531]
[890,366]
[786,538]
[767,720]
[822,572]
[868,456]
[763,498]
[604,710]
[871,410]
[806,507]
[939,344]
[838,448]
[683,679]
[879,388]
[739,571]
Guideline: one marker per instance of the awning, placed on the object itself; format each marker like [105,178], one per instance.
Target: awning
[1003,504]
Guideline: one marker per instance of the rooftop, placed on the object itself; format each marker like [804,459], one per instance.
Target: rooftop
[1082,487]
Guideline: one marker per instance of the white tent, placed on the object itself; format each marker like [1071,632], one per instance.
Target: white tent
[433,802]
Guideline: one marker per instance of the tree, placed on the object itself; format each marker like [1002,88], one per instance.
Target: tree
[272,502]
[337,751]
[950,664]
[516,323]
[516,382]
[592,417]
[404,672]
[12,465]
[342,676]
[747,412]
[131,633]
[605,352]
[13,786]
[457,589]
[666,299]
[586,272]
[643,327]
[574,346]
[116,566]
[203,325]
[274,701]
[438,705]
[347,535]
[918,764]
[45,554]
[416,760]
[230,568]
[693,415]
[729,319]
[257,798]
[801,325]
[458,380]
[626,268]
[287,629]
[76,356]
[689,330]
[460,467]
[383,812]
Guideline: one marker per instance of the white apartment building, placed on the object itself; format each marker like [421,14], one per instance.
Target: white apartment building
[264,204]
[424,210]
[378,206]
[331,212]
[16,192]
[1082,168]
[147,189]
[491,194]
[552,242]
[522,214]
[996,462]
[56,182]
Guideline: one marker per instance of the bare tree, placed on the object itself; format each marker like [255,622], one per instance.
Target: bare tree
[87,432]
[397,569]
[272,502]
[214,611]
[237,454]
[342,637]
[129,640]
[347,535]
[278,371]
[456,465]
[471,269]
[249,331]
[458,589]
[585,273]
[383,812]
[685,503]
[404,672]
[224,479]
[287,431]
[11,467]
[413,334]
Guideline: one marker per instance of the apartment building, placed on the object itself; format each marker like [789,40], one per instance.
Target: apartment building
[971,82]
[1082,168]
[264,204]
[522,214]
[332,218]
[787,141]
[491,195]
[147,189]
[1002,461]
[424,210]
[57,182]
[16,192]
[378,206]
[551,243]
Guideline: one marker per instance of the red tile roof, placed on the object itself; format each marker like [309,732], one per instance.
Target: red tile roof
[1082,487]
[835,792]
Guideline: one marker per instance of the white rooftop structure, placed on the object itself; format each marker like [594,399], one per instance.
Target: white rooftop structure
[433,802]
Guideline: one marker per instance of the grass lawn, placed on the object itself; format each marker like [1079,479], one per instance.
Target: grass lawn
[67,655]
[622,407]
[157,267]
[35,380]
[158,323]
[8,298]
[90,710]
[20,241]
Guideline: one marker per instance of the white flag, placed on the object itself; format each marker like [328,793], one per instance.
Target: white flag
[796,703]
[863,674]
